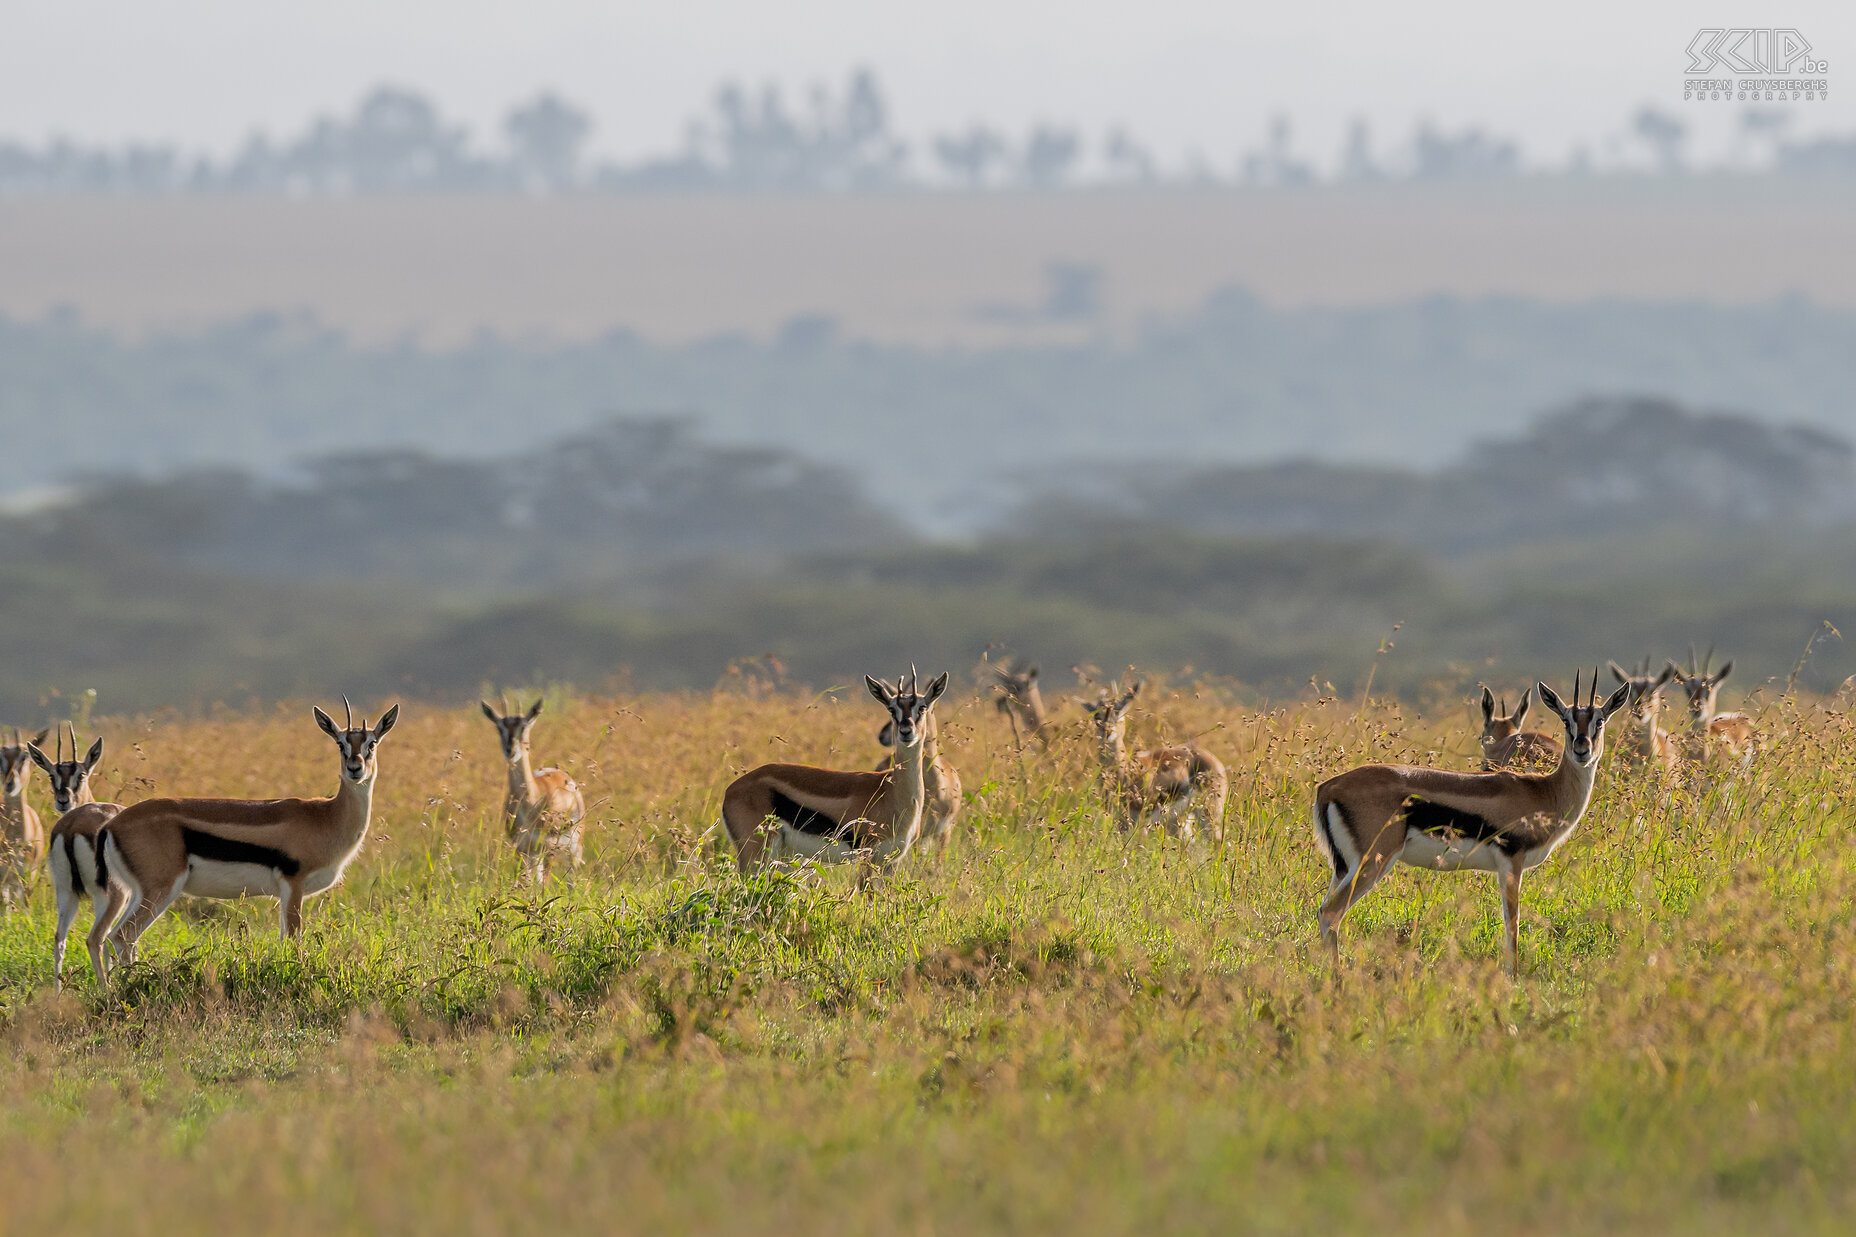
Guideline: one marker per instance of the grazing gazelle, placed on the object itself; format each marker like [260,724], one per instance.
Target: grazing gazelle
[22,837]
[940,783]
[288,849]
[1711,729]
[1506,823]
[1504,744]
[1173,785]
[542,809]
[831,816]
[73,858]
[1022,703]
[1650,746]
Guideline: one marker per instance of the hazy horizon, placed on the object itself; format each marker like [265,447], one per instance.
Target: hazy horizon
[1193,80]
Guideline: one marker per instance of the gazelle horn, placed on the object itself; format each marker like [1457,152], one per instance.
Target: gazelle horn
[73,730]
[349,710]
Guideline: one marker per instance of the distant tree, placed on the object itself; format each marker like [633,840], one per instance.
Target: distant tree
[1356,161]
[1276,164]
[971,157]
[1469,155]
[1049,154]
[1127,158]
[1664,135]
[545,136]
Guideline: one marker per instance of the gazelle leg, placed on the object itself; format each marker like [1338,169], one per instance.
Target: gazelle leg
[1348,890]
[1510,880]
[119,899]
[67,913]
[142,913]
[290,910]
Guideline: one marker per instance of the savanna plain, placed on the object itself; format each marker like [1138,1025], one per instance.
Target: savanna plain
[1052,1027]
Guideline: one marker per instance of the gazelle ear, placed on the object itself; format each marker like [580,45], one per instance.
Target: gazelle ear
[326,722]
[386,722]
[1617,700]
[1520,711]
[1617,672]
[1551,699]
[40,737]
[96,754]
[878,689]
[535,712]
[1663,677]
[1488,706]
[488,711]
[887,735]
[37,757]
[1673,671]
[936,688]
[1722,673]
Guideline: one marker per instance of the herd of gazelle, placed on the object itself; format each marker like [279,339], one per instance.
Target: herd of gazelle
[132,863]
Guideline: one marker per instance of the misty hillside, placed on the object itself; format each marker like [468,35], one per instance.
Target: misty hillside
[643,552]
[1406,385]
[624,496]
[1590,470]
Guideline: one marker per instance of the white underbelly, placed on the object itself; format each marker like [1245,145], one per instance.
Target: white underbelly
[832,849]
[1451,854]
[212,878]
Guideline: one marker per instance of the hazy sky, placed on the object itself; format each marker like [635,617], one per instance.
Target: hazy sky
[1185,75]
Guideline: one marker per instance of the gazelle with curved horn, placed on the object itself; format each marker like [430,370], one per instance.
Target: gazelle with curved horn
[1504,823]
[288,849]
[940,781]
[73,852]
[1650,745]
[1505,745]
[542,808]
[1179,786]
[779,810]
[1708,728]
[22,837]
[1022,703]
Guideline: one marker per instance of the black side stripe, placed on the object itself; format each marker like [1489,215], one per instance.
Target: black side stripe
[1445,821]
[103,867]
[805,819]
[203,845]
[70,858]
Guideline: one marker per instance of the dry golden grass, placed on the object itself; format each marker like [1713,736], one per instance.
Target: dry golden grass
[1057,1028]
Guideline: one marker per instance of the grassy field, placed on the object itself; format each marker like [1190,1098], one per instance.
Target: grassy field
[1055,1028]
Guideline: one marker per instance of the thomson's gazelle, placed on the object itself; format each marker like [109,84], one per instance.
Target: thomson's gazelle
[940,783]
[1504,744]
[1175,785]
[542,808]
[288,849]
[831,816]
[1022,703]
[1711,729]
[1650,745]
[1505,823]
[22,837]
[73,852]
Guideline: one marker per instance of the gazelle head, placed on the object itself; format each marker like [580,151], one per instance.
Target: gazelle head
[1701,686]
[512,729]
[1646,689]
[357,743]
[67,777]
[13,766]
[1585,723]
[1018,692]
[909,707]
[1499,724]
[1110,715]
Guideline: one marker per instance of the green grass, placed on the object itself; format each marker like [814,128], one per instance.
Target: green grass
[1055,1029]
